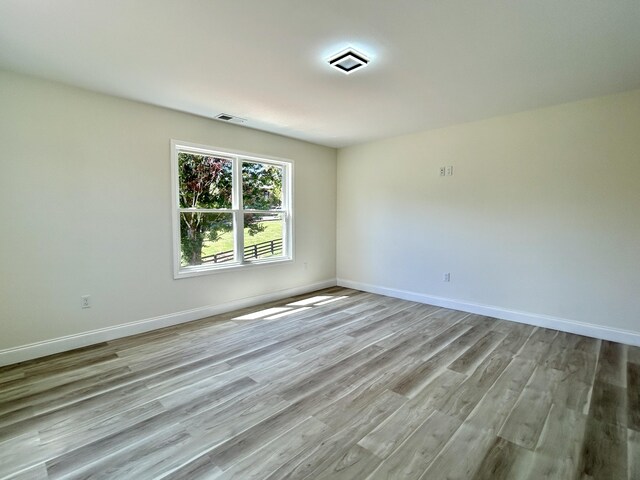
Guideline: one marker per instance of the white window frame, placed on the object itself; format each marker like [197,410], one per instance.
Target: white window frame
[239,262]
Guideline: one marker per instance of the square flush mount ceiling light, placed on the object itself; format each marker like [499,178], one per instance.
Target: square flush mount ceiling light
[348,61]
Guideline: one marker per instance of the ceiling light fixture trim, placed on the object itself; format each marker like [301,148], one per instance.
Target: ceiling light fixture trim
[348,61]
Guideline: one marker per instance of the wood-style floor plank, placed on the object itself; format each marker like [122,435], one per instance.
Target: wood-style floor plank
[612,364]
[339,449]
[411,458]
[499,462]
[525,423]
[633,396]
[37,472]
[495,407]
[604,451]
[633,437]
[388,436]
[270,457]
[463,455]
[633,354]
[336,384]
[557,454]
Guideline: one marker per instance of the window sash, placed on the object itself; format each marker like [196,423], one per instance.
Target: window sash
[237,210]
[228,210]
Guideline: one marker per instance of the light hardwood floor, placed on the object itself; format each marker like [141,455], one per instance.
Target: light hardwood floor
[351,386]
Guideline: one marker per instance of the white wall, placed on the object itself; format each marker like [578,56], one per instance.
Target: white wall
[85,209]
[540,221]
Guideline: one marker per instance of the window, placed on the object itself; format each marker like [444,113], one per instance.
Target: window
[230,210]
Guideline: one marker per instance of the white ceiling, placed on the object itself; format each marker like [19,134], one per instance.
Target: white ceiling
[434,63]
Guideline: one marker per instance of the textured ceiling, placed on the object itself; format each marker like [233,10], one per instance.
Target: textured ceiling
[433,63]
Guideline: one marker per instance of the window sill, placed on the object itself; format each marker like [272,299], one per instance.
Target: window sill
[186,272]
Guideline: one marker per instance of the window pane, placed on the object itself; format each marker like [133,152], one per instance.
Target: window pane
[206,238]
[204,181]
[263,235]
[261,186]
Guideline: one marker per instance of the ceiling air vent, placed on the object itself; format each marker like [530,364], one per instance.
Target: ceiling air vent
[348,61]
[230,118]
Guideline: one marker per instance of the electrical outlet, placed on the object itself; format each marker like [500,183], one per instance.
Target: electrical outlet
[442,171]
[446,277]
[449,170]
[85,301]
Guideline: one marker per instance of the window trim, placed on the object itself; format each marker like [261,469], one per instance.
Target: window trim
[237,209]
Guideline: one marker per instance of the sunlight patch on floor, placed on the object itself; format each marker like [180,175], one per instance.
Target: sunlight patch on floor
[284,314]
[309,301]
[262,313]
[278,312]
[331,300]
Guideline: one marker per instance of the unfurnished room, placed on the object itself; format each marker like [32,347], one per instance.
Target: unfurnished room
[288,239]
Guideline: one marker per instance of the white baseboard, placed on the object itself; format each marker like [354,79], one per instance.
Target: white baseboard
[63,344]
[539,320]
